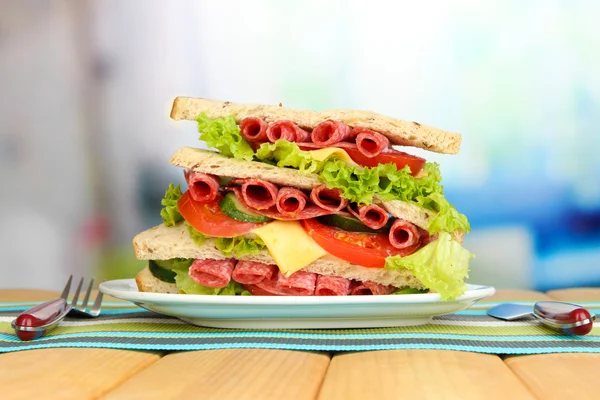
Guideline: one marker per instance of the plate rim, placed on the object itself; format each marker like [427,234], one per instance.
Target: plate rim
[474,293]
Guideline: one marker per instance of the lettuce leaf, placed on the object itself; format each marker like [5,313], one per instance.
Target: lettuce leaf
[196,236]
[288,154]
[170,213]
[224,135]
[442,266]
[186,285]
[239,246]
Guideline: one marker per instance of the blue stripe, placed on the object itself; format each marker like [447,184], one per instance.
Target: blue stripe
[292,335]
[292,346]
[104,311]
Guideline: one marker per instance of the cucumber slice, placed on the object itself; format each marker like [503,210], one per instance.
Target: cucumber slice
[174,263]
[160,273]
[232,207]
[350,224]
[411,291]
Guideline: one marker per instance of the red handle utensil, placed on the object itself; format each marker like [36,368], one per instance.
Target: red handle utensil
[39,320]
[567,318]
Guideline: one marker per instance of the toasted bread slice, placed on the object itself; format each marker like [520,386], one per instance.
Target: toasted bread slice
[399,132]
[164,243]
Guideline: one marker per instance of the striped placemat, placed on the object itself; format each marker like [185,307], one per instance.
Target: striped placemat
[122,326]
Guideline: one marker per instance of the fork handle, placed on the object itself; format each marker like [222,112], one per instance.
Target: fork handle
[39,320]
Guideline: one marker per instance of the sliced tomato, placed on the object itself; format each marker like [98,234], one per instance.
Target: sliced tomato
[208,219]
[366,249]
[399,158]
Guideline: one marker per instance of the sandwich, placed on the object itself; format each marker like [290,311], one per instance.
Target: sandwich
[295,202]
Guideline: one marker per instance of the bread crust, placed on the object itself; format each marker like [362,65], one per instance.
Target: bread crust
[399,132]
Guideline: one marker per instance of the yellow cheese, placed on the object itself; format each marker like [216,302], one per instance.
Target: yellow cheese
[289,245]
[322,154]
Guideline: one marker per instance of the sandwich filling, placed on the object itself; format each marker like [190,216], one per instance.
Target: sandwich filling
[337,218]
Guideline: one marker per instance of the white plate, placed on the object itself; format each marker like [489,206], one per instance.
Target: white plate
[291,312]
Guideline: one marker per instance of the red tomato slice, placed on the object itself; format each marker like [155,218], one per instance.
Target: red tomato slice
[366,249]
[208,219]
[399,158]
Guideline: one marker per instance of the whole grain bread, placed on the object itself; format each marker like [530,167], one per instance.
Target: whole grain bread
[399,132]
[164,243]
[210,162]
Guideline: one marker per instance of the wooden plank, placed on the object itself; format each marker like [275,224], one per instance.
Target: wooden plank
[70,373]
[422,374]
[576,294]
[27,295]
[558,376]
[517,295]
[37,295]
[228,374]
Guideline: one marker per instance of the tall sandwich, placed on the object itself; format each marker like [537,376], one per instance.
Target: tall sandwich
[295,202]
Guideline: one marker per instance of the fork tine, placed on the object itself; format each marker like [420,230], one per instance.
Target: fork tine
[87,296]
[97,304]
[76,295]
[65,292]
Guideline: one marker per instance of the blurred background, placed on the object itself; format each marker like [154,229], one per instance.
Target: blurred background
[86,89]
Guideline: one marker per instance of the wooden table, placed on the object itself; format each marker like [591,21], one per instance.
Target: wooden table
[238,374]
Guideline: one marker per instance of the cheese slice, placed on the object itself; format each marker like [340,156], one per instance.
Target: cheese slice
[322,154]
[289,244]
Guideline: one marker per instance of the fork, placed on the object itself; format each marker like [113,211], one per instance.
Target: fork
[41,319]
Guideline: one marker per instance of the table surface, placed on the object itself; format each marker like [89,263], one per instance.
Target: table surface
[87,373]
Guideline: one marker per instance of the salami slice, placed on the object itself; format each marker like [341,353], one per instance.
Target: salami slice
[330,132]
[370,288]
[250,272]
[291,201]
[328,199]
[212,273]
[203,187]
[257,291]
[270,285]
[403,234]
[298,284]
[259,194]
[371,215]
[370,143]
[254,129]
[332,286]
[288,130]
[310,211]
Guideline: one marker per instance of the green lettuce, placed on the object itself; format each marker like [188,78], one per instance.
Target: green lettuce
[196,236]
[170,213]
[442,266]
[239,245]
[224,135]
[186,285]
[359,185]
[288,154]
